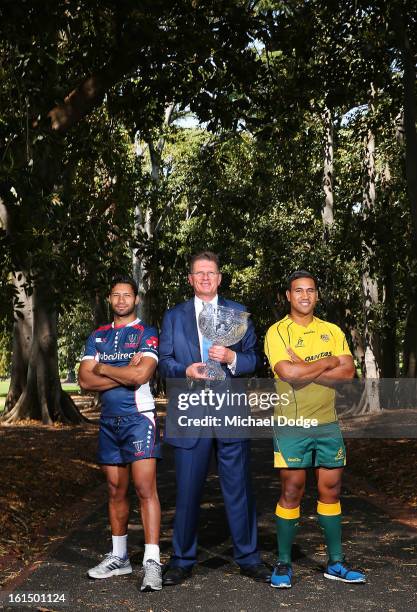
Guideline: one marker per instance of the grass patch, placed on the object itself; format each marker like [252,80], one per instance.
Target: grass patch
[72,388]
[4,387]
[68,387]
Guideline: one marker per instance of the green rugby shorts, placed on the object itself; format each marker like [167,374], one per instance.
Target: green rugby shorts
[325,448]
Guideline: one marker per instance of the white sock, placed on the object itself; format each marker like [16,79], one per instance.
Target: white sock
[151,552]
[120,546]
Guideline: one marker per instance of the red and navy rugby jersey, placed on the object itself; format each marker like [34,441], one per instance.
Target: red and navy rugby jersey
[116,345]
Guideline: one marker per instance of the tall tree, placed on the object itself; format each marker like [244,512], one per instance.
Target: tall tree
[145,217]
[328,170]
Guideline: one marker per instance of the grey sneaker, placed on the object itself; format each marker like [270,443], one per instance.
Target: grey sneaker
[152,579]
[110,566]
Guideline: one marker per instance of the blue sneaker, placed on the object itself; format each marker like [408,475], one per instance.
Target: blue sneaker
[340,570]
[281,576]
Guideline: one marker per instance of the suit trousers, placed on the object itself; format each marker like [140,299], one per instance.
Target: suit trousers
[191,466]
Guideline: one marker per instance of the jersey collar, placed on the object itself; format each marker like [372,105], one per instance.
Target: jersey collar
[309,326]
[135,322]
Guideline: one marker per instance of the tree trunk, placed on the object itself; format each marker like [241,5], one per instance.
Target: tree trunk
[410,132]
[22,326]
[99,310]
[389,352]
[22,340]
[139,231]
[327,208]
[372,347]
[71,378]
[357,343]
[371,363]
[389,337]
[369,284]
[410,344]
[144,224]
[410,114]
[337,312]
[143,227]
[42,397]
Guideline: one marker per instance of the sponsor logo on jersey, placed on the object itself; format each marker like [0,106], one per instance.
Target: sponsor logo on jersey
[340,455]
[152,342]
[116,356]
[294,459]
[100,340]
[318,356]
[132,341]
[300,343]
[325,337]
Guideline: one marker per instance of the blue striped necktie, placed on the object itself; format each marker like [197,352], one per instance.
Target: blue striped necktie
[206,344]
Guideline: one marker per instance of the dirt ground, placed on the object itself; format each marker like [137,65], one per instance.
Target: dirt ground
[46,470]
[388,465]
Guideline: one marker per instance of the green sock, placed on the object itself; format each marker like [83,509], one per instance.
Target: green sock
[330,519]
[287,520]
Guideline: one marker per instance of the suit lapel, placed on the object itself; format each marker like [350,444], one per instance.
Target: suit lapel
[190,328]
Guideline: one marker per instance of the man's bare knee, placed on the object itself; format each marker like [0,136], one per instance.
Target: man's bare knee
[292,498]
[292,493]
[145,491]
[116,491]
[330,491]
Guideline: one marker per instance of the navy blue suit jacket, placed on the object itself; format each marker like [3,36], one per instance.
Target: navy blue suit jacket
[179,347]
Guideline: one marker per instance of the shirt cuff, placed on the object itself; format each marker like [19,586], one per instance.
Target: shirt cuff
[149,354]
[232,366]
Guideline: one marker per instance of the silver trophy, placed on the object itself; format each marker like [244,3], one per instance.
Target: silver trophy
[223,326]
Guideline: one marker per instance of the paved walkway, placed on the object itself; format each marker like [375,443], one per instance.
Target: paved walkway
[385,549]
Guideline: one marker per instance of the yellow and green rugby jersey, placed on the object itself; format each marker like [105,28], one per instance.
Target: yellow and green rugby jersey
[317,340]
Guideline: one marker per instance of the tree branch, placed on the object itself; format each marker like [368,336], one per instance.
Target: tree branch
[78,104]
[90,93]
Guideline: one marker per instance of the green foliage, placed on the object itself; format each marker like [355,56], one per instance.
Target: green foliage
[75,325]
[248,185]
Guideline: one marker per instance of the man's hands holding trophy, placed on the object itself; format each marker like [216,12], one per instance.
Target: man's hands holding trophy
[223,327]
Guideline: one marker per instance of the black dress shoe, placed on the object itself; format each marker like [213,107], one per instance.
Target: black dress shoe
[258,571]
[175,575]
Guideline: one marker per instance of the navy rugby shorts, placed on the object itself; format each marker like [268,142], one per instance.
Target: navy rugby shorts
[125,439]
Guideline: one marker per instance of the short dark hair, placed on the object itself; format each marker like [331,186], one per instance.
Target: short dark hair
[300,274]
[125,280]
[207,255]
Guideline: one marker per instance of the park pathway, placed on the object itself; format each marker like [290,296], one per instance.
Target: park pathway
[385,549]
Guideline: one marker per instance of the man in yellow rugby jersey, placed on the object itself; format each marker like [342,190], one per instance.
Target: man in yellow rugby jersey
[308,357]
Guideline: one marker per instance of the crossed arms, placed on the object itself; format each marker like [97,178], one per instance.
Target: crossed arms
[327,371]
[93,376]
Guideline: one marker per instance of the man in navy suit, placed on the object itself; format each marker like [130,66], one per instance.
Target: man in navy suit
[182,355]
